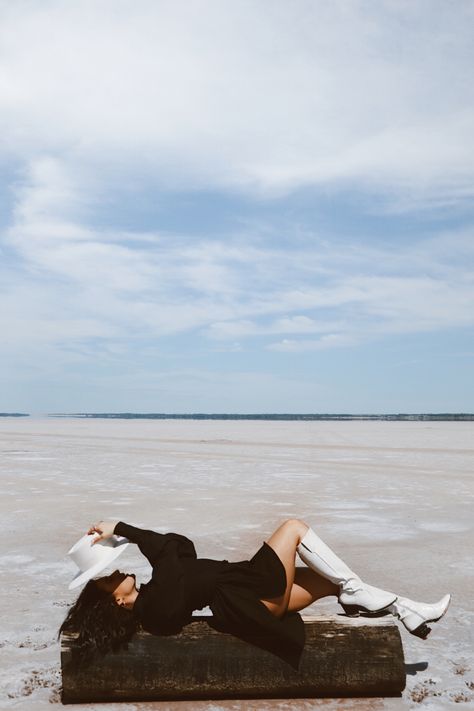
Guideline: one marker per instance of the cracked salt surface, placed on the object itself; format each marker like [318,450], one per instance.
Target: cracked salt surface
[402,518]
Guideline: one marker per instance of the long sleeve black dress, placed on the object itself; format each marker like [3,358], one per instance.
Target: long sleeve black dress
[182,583]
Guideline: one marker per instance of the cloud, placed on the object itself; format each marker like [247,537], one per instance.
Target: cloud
[259,100]
[263,98]
[79,283]
[329,340]
[297,324]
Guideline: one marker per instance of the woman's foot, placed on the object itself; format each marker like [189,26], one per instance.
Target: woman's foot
[417,615]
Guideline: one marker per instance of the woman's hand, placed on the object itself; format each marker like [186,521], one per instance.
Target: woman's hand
[105,529]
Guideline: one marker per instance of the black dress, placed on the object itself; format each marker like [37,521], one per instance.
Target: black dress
[182,583]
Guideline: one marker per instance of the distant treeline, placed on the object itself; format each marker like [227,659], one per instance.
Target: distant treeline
[14,414]
[446,416]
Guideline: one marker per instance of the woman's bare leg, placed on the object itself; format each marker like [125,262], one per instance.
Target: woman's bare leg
[284,542]
[308,587]
[305,585]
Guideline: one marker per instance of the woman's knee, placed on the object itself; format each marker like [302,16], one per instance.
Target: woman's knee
[296,526]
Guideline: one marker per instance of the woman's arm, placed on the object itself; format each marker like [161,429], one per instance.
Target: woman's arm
[152,544]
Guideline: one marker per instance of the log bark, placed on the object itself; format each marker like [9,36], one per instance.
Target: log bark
[342,657]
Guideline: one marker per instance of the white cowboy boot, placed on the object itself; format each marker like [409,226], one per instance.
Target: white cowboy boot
[416,615]
[354,595]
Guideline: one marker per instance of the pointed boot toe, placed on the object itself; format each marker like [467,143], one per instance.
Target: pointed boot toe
[416,616]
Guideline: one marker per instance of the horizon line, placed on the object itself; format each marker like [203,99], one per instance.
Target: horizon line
[250,416]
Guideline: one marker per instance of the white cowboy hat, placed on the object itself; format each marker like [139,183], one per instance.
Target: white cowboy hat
[92,559]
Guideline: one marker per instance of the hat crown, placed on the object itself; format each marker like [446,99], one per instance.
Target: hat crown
[85,555]
[92,559]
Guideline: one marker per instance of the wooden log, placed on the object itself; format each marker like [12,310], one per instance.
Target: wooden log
[342,657]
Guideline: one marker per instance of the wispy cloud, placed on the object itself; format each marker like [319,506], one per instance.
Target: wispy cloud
[329,340]
[260,97]
[232,288]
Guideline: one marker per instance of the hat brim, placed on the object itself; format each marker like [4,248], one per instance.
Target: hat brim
[83,577]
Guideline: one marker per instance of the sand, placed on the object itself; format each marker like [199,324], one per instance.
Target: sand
[395,499]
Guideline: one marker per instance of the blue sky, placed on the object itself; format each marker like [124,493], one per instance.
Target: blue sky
[236,206]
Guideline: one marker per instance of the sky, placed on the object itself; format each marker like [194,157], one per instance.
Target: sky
[236,206]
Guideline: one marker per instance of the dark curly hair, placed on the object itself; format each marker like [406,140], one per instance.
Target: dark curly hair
[102,625]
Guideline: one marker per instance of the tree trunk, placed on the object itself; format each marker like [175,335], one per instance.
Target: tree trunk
[342,657]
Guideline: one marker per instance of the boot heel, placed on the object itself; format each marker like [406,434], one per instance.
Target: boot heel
[422,631]
[350,610]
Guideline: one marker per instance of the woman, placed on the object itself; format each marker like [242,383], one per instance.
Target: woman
[256,600]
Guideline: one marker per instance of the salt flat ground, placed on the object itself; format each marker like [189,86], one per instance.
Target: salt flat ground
[395,499]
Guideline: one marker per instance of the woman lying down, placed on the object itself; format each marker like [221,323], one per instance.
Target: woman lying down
[253,599]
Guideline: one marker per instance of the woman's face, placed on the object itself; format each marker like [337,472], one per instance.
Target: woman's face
[120,585]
